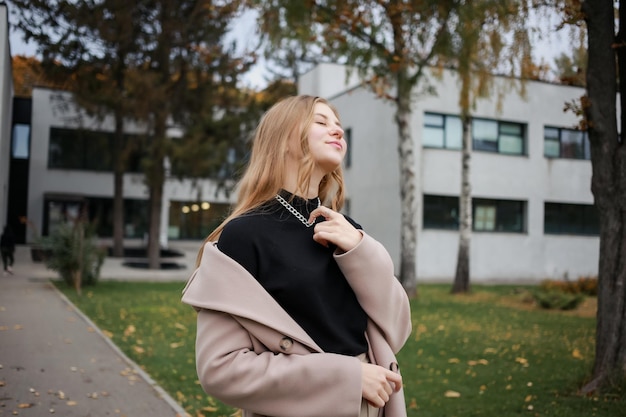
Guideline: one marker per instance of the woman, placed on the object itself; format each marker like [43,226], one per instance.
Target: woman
[299,313]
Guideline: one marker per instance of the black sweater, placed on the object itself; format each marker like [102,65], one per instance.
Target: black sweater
[299,273]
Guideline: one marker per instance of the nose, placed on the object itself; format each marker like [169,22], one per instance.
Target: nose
[336,131]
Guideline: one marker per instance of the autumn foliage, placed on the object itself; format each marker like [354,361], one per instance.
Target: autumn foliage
[28,72]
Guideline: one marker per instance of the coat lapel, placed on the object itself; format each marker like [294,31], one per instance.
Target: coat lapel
[222,284]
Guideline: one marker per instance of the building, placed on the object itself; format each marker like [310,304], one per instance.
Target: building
[71,168]
[533,213]
[6,111]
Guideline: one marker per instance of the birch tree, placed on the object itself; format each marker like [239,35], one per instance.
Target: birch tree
[477,50]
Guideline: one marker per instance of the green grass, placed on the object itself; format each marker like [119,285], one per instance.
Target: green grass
[485,354]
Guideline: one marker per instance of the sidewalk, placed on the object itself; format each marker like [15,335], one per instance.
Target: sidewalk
[55,361]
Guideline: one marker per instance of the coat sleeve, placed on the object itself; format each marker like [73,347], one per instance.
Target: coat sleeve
[370,272]
[273,384]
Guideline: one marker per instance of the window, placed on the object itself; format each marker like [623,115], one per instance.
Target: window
[565,143]
[441,212]
[496,136]
[86,150]
[195,219]
[488,215]
[347,134]
[572,219]
[442,131]
[498,215]
[20,146]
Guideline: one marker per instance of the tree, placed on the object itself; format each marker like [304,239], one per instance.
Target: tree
[28,73]
[606,52]
[477,47]
[162,63]
[89,43]
[185,72]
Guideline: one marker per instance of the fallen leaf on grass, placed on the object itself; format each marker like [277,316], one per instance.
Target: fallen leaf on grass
[454,360]
[107,334]
[452,394]
[576,354]
[176,345]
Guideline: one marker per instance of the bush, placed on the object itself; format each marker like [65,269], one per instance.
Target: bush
[73,253]
[556,299]
[583,285]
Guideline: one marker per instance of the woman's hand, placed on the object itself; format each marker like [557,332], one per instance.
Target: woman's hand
[377,384]
[335,229]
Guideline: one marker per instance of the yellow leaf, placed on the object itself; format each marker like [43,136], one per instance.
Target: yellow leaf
[483,361]
[175,345]
[107,334]
[528,398]
[576,354]
[138,349]
[413,404]
[129,330]
[523,361]
[209,409]
[452,394]
[453,360]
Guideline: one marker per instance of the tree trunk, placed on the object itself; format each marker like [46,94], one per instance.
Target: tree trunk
[608,158]
[118,187]
[156,180]
[408,200]
[462,276]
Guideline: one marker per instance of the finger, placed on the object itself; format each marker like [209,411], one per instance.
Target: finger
[322,211]
[395,380]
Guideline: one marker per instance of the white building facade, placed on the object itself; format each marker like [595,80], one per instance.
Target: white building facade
[71,169]
[533,213]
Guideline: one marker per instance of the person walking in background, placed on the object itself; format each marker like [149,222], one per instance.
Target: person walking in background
[7,247]
[298,309]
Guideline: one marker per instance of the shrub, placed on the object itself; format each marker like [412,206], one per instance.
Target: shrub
[73,253]
[556,299]
[583,285]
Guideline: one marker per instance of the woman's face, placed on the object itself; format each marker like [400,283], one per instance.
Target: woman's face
[325,139]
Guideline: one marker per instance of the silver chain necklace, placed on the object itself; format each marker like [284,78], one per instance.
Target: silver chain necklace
[295,212]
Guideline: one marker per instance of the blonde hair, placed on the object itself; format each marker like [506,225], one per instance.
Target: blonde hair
[266,171]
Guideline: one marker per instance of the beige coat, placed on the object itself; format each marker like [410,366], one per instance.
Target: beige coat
[251,354]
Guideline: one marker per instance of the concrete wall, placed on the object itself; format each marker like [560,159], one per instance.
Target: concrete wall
[373,179]
[6,112]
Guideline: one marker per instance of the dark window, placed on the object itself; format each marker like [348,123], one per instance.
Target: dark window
[87,150]
[441,212]
[195,219]
[573,219]
[498,215]
[347,134]
[565,143]
[487,215]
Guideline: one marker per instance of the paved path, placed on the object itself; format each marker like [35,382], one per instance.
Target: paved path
[55,362]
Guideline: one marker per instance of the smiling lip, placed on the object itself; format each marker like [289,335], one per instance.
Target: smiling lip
[336,144]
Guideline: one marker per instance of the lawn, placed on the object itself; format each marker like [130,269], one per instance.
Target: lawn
[490,353]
